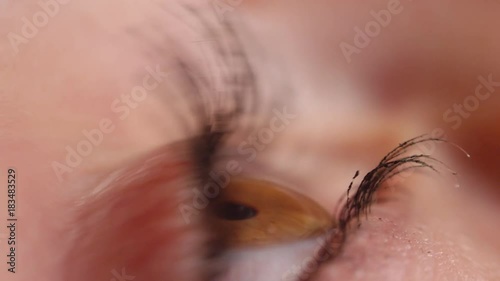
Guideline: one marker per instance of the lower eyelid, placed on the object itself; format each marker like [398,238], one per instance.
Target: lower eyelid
[390,238]
[380,249]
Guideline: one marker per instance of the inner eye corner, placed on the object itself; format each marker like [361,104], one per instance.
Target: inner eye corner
[235,211]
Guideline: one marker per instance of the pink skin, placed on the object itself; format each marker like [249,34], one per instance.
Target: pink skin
[65,79]
[112,218]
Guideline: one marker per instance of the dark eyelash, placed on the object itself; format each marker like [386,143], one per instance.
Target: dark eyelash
[239,88]
[216,122]
[391,165]
[388,167]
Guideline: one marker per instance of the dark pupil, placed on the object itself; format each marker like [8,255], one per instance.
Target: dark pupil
[234,211]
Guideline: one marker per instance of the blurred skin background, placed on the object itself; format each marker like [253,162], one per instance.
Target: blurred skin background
[429,67]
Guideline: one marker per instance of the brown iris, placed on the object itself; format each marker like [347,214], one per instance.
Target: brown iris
[251,212]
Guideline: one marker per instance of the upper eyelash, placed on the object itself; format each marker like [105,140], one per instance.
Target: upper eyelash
[387,168]
[215,122]
[362,200]
[240,88]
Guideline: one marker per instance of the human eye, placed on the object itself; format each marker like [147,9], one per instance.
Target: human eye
[368,220]
[260,165]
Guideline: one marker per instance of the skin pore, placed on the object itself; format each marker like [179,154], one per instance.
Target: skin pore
[81,74]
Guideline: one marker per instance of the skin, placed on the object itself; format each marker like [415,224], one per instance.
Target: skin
[65,79]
